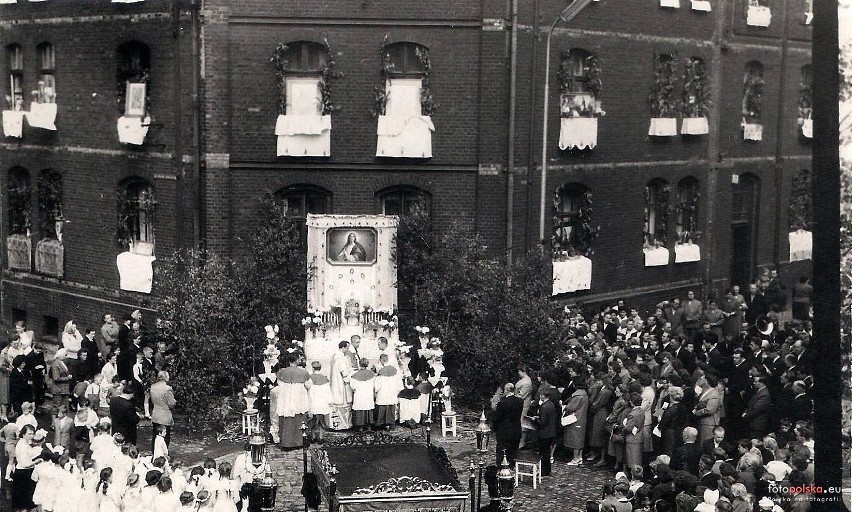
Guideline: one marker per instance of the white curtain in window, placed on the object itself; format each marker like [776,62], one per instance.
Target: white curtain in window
[303,130]
[136,272]
[13,123]
[403,131]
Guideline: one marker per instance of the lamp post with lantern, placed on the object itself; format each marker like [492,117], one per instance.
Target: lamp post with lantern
[506,484]
[483,435]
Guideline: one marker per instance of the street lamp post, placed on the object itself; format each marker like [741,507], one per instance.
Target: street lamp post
[567,15]
[506,485]
[483,434]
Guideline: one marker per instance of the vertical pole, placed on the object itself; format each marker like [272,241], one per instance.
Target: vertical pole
[510,164]
[545,108]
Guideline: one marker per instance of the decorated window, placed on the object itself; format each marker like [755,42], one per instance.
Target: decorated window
[657,209]
[15,73]
[403,201]
[579,84]
[50,204]
[18,201]
[133,79]
[801,209]
[696,96]
[136,205]
[573,232]
[806,107]
[752,105]
[46,92]
[304,70]
[688,196]
[663,98]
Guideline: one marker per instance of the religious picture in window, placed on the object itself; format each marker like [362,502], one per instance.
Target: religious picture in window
[135,100]
[351,246]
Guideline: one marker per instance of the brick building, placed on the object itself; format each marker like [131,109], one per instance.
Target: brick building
[179,107]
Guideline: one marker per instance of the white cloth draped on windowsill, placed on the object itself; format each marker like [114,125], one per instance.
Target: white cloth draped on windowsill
[132,130]
[685,253]
[694,126]
[578,133]
[656,257]
[701,5]
[13,123]
[801,245]
[752,131]
[758,16]
[809,18]
[136,272]
[296,124]
[303,130]
[572,275]
[670,3]
[8,2]
[663,127]
[42,115]
[807,128]
[404,136]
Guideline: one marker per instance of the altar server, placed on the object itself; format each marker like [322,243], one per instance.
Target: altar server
[387,388]
[363,402]
[341,391]
[320,397]
[409,403]
[293,403]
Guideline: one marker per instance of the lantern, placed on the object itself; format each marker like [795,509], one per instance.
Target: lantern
[483,433]
[506,484]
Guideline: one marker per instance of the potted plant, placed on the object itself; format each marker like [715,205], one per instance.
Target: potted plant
[695,102]
[571,246]
[758,14]
[580,104]
[752,107]
[663,100]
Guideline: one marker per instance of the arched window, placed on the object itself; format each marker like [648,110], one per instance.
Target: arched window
[663,97]
[572,231]
[579,83]
[305,61]
[805,104]
[300,200]
[49,203]
[688,197]
[46,92]
[404,201]
[18,200]
[406,59]
[753,86]
[133,75]
[15,73]
[801,209]
[406,68]
[136,215]
[657,209]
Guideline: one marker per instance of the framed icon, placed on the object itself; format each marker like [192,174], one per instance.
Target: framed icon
[351,246]
[134,105]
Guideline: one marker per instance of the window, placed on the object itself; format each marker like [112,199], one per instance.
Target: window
[18,199]
[753,86]
[745,199]
[657,210]
[687,209]
[50,326]
[300,200]
[46,92]
[579,84]
[406,65]
[306,57]
[570,200]
[49,204]
[134,78]
[136,215]
[305,61]
[15,64]
[405,59]
[404,201]
[805,104]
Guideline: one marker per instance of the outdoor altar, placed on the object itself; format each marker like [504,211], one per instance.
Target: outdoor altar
[352,284]
[404,475]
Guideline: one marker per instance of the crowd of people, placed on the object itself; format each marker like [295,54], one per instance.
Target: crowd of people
[71,423]
[695,405]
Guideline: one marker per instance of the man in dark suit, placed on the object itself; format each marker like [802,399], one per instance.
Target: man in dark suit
[507,424]
[803,407]
[757,410]
[547,423]
[707,477]
[735,402]
[610,329]
[122,412]
[127,358]
[687,455]
[124,332]
[757,304]
[716,446]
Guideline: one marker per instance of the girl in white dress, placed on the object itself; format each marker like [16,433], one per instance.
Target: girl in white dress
[195,477]
[67,477]
[227,491]
[167,500]
[131,500]
[109,498]
[46,475]
[87,498]
[187,502]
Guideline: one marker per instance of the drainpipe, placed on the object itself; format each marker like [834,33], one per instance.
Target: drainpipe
[531,145]
[779,139]
[198,169]
[178,111]
[510,167]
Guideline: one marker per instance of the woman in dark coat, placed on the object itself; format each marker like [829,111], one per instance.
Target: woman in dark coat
[20,390]
[673,421]
[599,409]
[614,422]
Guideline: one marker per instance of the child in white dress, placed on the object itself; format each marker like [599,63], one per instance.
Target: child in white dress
[109,497]
[131,499]
[9,437]
[27,417]
[166,500]
[227,490]
[187,502]
[161,449]
[45,477]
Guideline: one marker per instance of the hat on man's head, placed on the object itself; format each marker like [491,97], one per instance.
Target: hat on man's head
[766,503]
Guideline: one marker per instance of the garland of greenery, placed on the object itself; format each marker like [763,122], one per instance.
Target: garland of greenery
[428,106]
[696,101]
[129,206]
[328,73]
[18,198]
[590,82]
[805,103]
[753,97]
[801,208]
[49,202]
[279,58]
[687,210]
[663,100]
[380,92]
[660,203]
[582,236]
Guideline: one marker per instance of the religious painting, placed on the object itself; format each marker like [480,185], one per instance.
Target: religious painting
[351,246]
[135,101]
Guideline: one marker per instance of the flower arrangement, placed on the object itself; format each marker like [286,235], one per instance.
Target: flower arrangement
[695,101]
[423,331]
[250,393]
[663,100]
[578,241]
[313,320]
[753,97]
[659,202]
[389,325]
[14,104]
[687,211]
[580,94]
[296,347]
[271,332]
[801,209]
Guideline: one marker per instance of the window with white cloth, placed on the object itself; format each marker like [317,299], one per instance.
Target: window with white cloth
[403,97]
[302,127]
[15,81]
[303,96]
[46,92]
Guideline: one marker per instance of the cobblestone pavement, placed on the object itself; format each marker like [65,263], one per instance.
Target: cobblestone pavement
[567,489]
